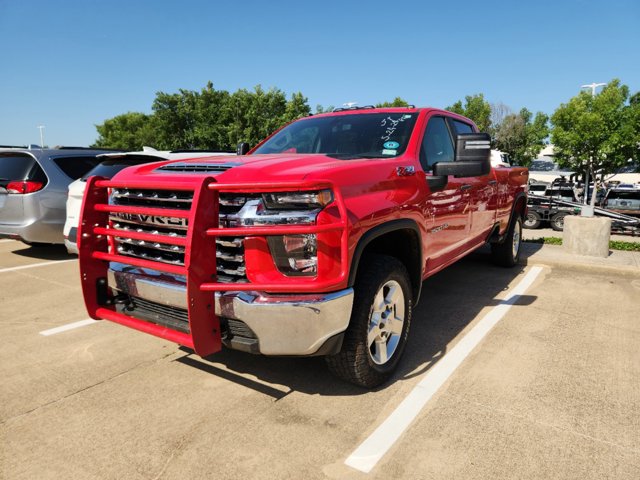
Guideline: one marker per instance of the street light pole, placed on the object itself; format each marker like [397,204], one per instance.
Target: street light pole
[41,127]
[593,87]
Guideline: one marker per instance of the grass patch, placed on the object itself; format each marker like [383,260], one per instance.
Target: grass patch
[627,246]
[613,244]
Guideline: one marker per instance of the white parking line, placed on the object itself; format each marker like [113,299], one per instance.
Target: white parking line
[33,265]
[367,455]
[68,326]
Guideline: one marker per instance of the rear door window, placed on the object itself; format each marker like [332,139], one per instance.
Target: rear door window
[16,166]
[461,127]
[76,167]
[632,195]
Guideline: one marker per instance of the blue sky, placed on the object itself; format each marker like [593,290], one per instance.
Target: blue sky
[69,65]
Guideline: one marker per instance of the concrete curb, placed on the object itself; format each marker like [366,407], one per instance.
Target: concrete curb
[618,262]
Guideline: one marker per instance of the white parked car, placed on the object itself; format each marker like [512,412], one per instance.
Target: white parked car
[111,164]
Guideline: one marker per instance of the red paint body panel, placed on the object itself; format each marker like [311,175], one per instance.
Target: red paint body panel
[367,193]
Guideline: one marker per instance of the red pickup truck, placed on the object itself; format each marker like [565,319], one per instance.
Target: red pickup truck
[314,243]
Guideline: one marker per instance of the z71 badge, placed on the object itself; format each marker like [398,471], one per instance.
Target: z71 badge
[406,171]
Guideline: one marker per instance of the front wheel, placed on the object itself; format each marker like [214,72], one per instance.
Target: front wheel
[507,253]
[379,326]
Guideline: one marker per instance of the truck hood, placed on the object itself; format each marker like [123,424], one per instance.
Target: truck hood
[232,169]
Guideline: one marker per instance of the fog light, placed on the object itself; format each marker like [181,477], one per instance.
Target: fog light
[295,255]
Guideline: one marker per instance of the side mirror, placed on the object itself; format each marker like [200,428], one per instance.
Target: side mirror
[243,148]
[472,159]
[461,169]
[473,147]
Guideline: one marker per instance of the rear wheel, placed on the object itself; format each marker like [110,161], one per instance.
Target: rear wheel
[533,220]
[557,222]
[379,326]
[507,253]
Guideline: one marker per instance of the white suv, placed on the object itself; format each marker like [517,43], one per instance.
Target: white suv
[111,164]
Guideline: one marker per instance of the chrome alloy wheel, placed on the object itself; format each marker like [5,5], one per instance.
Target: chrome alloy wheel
[517,234]
[386,322]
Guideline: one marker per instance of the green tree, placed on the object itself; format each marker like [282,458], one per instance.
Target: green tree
[129,131]
[397,102]
[297,107]
[476,108]
[174,120]
[597,132]
[212,117]
[257,114]
[208,119]
[521,137]
[321,109]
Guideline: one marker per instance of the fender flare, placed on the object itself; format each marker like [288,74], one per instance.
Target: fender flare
[494,236]
[516,200]
[383,229]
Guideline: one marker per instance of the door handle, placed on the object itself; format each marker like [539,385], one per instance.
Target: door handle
[464,187]
[493,182]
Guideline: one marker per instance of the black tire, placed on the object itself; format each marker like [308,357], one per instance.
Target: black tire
[507,253]
[533,220]
[368,339]
[557,221]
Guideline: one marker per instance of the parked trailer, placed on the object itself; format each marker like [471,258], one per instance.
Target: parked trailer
[542,208]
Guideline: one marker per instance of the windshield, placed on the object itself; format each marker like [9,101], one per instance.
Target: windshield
[361,135]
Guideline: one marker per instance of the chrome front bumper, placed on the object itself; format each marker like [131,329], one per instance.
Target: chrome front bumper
[284,324]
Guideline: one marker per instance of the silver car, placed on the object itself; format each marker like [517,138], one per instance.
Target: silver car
[33,190]
[623,200]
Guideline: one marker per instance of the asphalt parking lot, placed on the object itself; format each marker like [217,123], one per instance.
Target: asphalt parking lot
[550,391]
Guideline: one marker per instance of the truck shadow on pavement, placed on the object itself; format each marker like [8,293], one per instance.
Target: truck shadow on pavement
[450,301]
[43,252]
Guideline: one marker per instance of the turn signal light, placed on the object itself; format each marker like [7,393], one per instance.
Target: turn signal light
[24,187]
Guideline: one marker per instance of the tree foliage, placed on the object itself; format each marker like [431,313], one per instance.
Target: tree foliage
[321,109]
[397,102]
[208,119]
[597,132]
[129,131]
[521,136]
[499,112]
[476,108]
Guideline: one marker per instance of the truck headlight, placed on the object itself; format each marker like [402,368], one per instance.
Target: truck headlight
[295,255]
[297,200]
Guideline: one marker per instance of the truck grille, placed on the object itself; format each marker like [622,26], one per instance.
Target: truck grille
[229,250]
